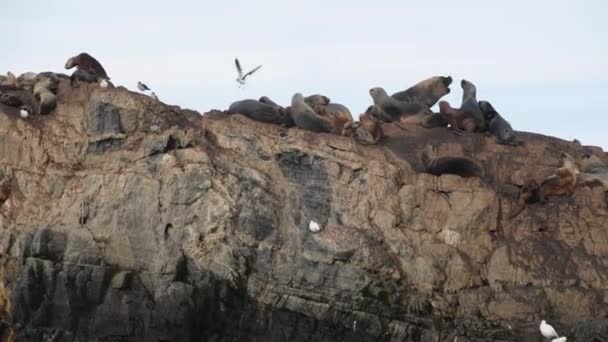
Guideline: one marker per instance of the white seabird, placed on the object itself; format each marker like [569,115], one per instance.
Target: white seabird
[153,95]
[547,331]
[314,226]
[242,77]
[103,83]
[142,87]
[559,339]
[24,113]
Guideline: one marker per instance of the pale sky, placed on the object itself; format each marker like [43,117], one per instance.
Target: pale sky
[542,64]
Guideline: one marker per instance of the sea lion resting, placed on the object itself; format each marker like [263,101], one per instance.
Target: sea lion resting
[562,182]
[391,109]
[44,92]
[260,111]
[529,193]
[367,131]
[496,124]
[426,92]
[337,113]
[461,166]
[593,171]
[306,118]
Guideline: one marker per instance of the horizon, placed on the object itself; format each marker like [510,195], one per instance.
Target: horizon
[540,67]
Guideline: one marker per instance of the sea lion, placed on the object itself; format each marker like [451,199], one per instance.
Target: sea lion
[426,92]
[8,80]
[392,109]
[44,95]
[434,120]
[337,113]
[317,99]
[369,129]
[266,100]
[529,193]
[306,118]
[593,171]
[82,76]
[457,118]
[461,166]
[563,181]
[262,112]
[496,124]
[87,63]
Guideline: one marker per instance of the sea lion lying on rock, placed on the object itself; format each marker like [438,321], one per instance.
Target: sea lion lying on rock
[426,92]
[306,118]
[391,109]
[260,111]
[368,131]
[461,166]
[496,124]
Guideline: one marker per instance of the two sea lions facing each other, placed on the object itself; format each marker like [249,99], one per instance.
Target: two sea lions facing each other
[461,166]
[562,182]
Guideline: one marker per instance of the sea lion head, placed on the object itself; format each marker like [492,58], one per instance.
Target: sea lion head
[440,86]
[378,93]
[468,87]
[296,99]
[569,162]
[488,111]
[317,99]
[70,63]
[372,111]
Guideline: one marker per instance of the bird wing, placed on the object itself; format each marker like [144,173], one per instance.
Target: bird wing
[238,67]
[252,71]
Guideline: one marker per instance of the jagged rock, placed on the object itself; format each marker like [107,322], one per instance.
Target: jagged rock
[199,231]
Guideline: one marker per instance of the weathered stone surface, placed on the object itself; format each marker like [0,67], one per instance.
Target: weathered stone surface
[198,231]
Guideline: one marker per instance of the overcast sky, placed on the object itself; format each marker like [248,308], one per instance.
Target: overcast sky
[542,64]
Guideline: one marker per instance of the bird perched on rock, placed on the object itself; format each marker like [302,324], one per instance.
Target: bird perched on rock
[242,77]
[547,331]
[314,226]
[24,112]
[142,87]
[153,96]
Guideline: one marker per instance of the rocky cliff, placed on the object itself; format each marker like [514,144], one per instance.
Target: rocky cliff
[131,220]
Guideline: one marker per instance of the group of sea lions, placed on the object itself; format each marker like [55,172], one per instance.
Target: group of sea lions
[36,94]
[412,106]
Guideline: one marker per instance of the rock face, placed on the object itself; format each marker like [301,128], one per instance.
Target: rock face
[198,231]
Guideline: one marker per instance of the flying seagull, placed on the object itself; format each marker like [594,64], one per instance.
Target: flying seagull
[242,77]
[142,87]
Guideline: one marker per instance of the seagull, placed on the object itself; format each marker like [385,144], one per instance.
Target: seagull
[24,112]
[103,83]
[559,339]
[547,331]
[142,87]
[241,78]
[314,226]
[153,95]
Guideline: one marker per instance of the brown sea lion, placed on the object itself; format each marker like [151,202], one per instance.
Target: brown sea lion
[43,92]
[593,171]
[392,109]
[317,99]
[260,111]
[468,117]
[461,166]
[367,131]
[339,114]
[563,181]
[8,80]
[529,193]
[426,92]
[457,118]
[87,64]
[306,118]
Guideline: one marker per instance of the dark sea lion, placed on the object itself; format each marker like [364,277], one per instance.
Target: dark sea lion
[434,120]
[563,181]
[266,100]
[529,193]
[317,99]
[392,109]
[496,124]
[88,64]
[260,111]
[461,166]
[306,118]
[426,92]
